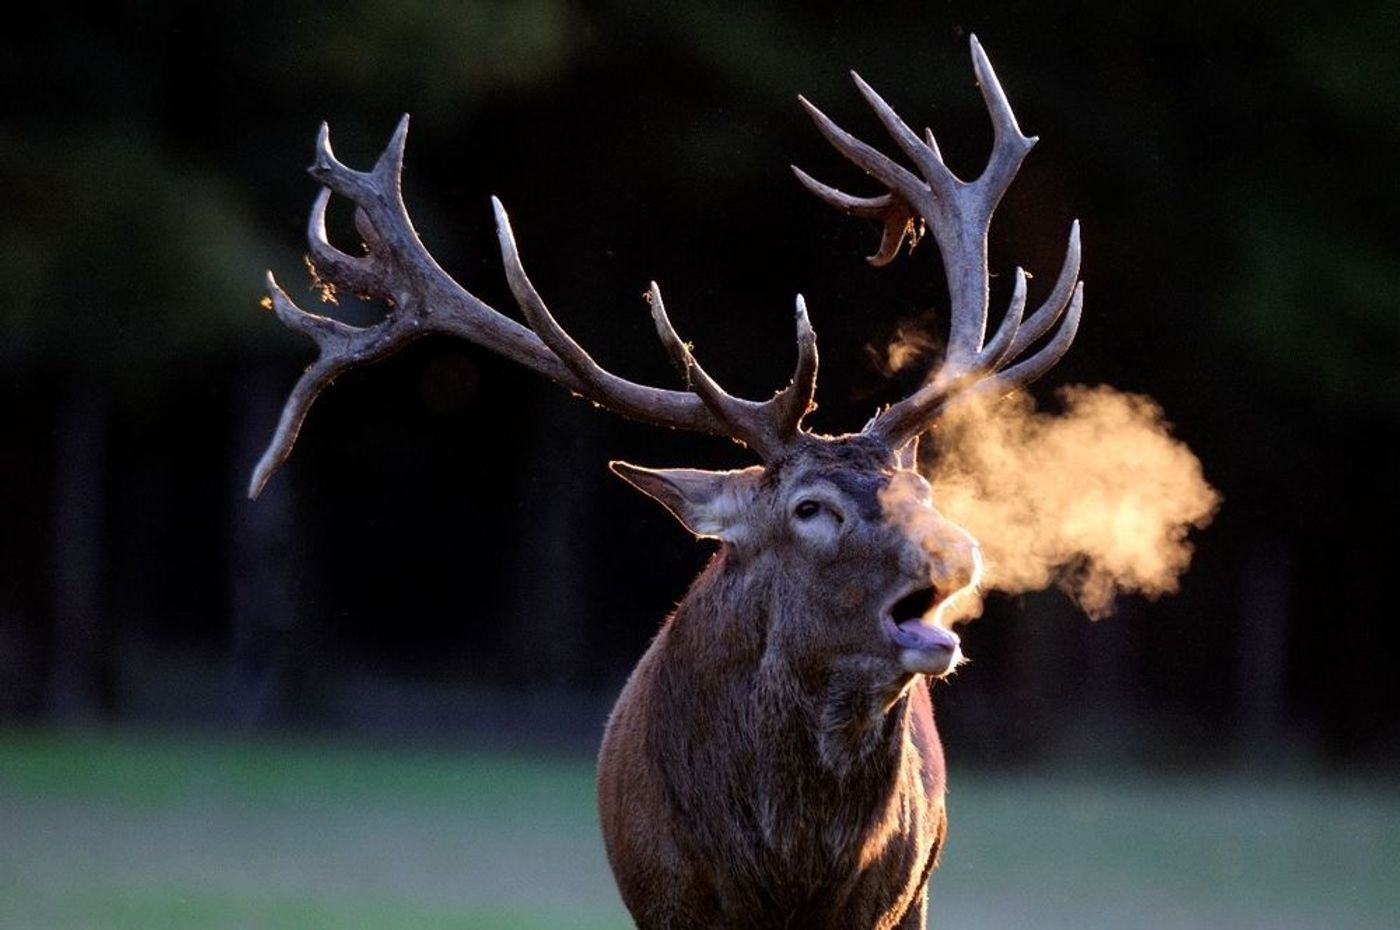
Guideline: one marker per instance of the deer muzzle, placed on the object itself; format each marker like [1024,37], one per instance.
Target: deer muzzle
[918,622]
[913,625]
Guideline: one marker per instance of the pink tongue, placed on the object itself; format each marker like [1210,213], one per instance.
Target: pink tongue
[916,634]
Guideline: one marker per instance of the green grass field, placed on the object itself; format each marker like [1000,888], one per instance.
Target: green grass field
[118,830]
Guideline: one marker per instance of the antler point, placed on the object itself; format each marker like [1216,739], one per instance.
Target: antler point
[400,134]
[804,178]
[325,157]
[502,218]
[804,320]
[390,163]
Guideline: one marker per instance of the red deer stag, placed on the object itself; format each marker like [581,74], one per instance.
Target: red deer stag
[773,761]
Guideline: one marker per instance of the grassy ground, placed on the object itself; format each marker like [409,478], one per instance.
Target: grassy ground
[116,831]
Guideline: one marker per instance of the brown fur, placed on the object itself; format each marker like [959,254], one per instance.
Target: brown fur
[769,763]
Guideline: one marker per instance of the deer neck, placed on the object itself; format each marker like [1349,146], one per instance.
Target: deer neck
[751,741]
[836,714]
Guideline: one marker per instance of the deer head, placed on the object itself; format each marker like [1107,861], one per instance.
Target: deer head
[836,551]
[844,522]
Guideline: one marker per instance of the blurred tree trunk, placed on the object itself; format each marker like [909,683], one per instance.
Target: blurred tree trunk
[1262,659]
[262,563]
[546,603]
[79,667]
[1109,722]
[1033,718]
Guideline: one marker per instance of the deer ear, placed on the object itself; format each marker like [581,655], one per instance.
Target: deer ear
[712,504]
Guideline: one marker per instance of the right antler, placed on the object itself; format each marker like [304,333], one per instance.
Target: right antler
[958,214]
[423,298]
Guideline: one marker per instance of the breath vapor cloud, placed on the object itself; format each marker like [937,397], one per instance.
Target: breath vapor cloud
[1097,499]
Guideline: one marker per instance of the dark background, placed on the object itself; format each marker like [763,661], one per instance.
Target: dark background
[445,554]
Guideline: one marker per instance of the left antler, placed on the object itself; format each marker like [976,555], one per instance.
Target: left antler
[423,298]
[957,214]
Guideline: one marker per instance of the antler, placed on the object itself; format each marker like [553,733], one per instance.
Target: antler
[958,214]
[423,298]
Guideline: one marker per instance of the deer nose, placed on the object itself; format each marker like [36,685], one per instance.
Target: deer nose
[953,572]
[956,563]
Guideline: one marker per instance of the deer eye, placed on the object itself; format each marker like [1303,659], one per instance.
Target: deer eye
[806,510]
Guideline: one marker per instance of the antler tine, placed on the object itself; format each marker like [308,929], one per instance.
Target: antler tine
[1028,370]
[422,298]
[341,346]
[764,427]
[795,401]
[874,162]
[895,215]
[354,272]
[1009,144]
[995,352]
[1049,311]
[895,210]
[911,416]
[942,182]
[599,385]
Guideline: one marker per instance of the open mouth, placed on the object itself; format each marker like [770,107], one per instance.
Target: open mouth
[925,646]
[916,604]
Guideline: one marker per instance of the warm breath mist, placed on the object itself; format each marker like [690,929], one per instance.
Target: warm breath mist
[1097,499]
